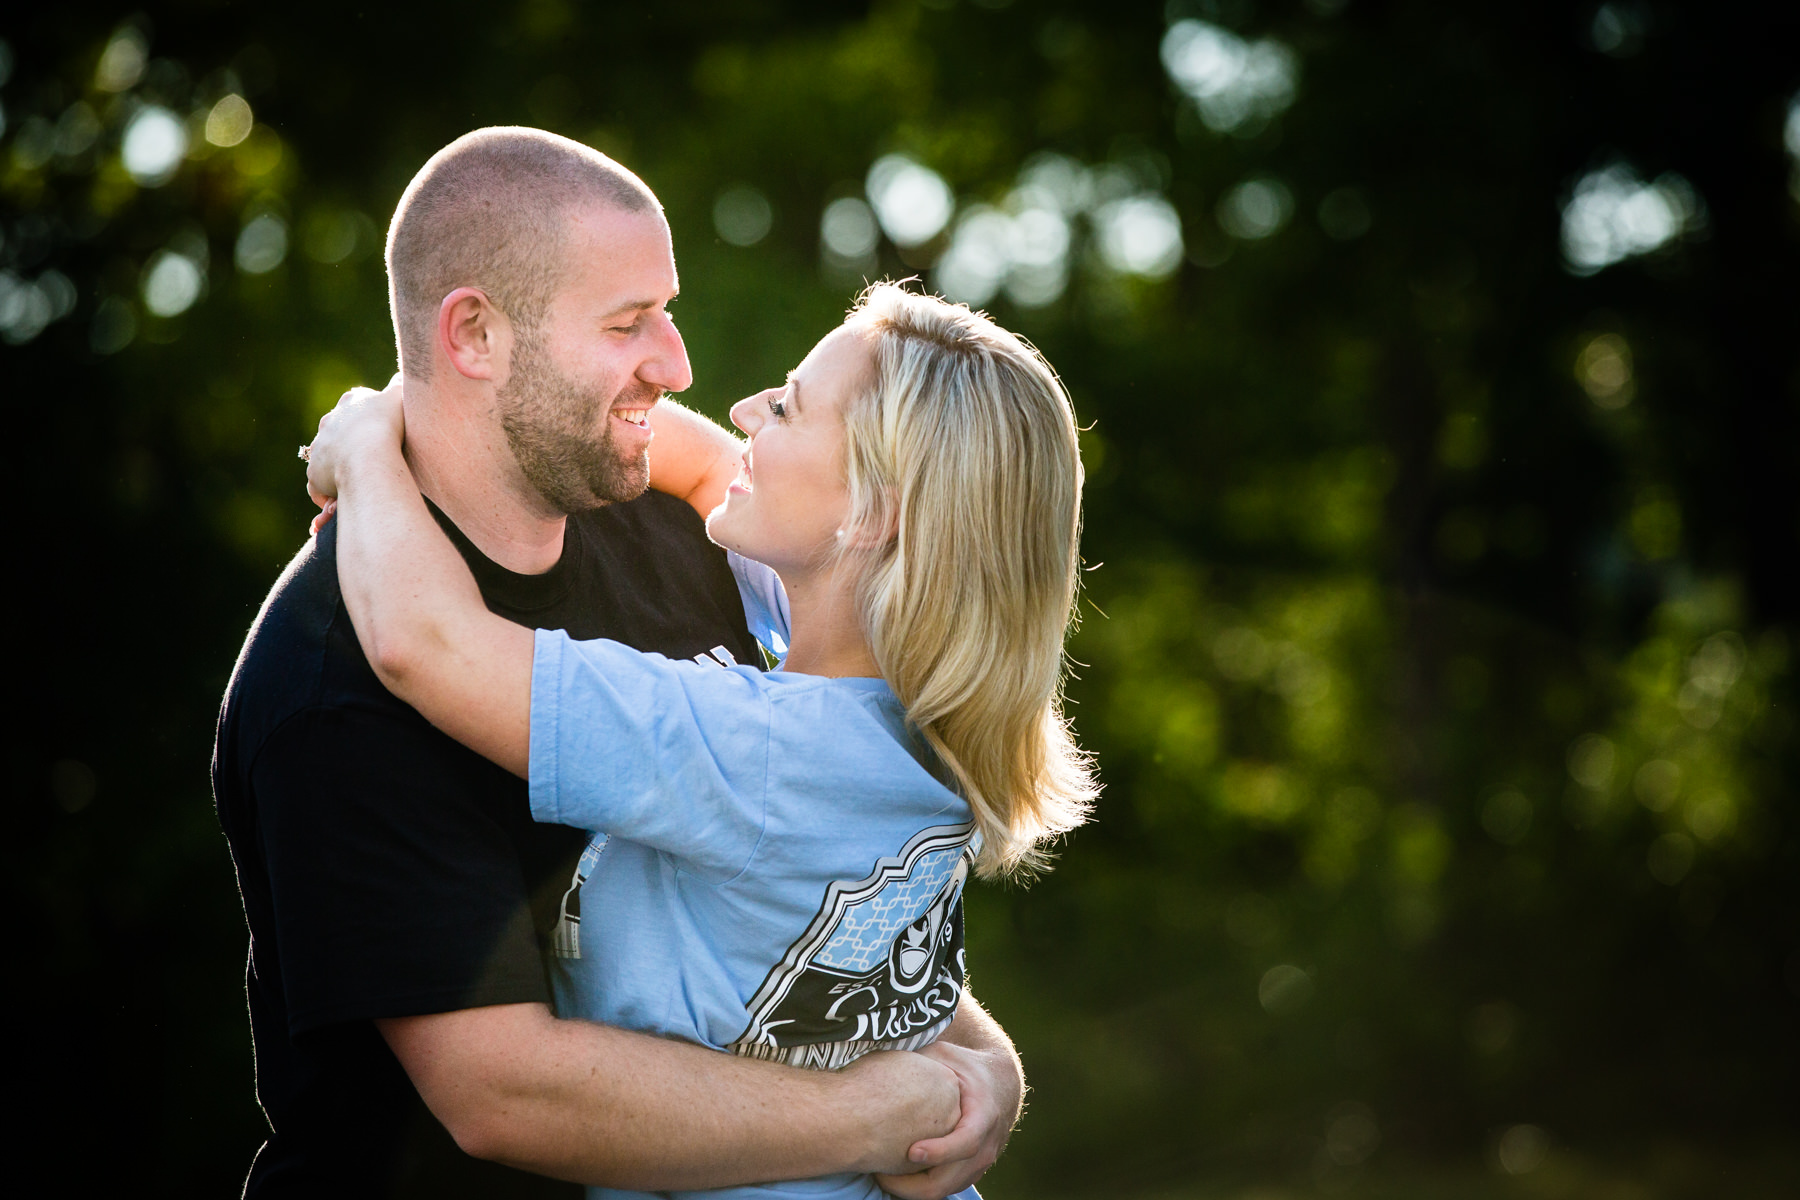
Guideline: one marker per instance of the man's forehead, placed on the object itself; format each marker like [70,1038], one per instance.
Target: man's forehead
[607,225]
[619,258]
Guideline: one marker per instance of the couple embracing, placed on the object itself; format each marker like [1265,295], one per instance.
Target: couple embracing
[526,837]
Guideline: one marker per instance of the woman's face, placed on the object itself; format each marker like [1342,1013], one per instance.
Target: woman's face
[789,500]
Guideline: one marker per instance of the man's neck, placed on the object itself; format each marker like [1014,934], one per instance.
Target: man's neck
[460,458]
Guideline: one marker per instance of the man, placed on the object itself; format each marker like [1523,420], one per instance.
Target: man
[398,895]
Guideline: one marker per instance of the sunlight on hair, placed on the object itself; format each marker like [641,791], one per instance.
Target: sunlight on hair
[965,443]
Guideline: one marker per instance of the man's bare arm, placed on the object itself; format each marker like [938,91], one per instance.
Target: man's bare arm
[993,1097]
[690,457]
[594,1104]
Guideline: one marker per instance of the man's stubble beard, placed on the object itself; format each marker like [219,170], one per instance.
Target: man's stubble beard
[550,422]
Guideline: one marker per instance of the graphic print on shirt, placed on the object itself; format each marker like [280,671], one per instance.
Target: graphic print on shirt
[565,942]
[879,968]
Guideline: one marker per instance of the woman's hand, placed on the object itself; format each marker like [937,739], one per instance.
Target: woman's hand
[364,421]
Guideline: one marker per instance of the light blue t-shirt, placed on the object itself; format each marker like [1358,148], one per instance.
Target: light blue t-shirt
[777,871]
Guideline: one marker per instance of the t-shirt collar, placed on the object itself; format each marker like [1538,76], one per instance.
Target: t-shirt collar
[508,591]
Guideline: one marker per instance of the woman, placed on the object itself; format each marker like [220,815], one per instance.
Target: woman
[791,846]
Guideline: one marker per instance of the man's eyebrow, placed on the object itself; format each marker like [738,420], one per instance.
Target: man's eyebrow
[637,306]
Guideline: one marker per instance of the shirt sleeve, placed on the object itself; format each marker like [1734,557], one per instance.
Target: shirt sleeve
[765,602]
[395,887]
[674,755]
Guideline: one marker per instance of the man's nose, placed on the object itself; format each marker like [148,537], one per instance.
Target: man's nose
[667,365]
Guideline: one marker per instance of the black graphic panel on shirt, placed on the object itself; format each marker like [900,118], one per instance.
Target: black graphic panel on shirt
[879,967]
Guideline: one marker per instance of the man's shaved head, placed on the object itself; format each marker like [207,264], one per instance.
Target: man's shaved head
[489,211]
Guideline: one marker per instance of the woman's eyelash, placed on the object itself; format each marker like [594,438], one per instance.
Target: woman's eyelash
[778,406]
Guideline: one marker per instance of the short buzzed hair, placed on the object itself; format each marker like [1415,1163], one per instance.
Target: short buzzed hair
[489,211]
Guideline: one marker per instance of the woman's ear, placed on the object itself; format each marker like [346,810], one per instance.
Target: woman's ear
[875,531]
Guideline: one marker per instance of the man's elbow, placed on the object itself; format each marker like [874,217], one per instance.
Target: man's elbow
[407,658]
[485,1134]
[466,1066]
[394,659]
[489,1125]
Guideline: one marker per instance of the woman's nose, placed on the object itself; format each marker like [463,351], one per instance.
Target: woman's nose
[743,415]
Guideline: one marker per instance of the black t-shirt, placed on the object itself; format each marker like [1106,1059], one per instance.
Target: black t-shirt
[387,871]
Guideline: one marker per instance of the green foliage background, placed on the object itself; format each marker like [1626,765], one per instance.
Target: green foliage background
[1446,715]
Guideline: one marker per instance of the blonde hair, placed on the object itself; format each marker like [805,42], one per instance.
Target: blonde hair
[964,444]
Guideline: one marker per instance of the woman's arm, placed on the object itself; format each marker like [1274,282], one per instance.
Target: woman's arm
[690,457]
[416,608]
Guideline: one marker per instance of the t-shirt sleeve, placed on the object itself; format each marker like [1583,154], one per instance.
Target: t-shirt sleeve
[674,755]
[395,891]
[765,601]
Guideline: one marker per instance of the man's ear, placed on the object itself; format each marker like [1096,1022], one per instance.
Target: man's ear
[474,336]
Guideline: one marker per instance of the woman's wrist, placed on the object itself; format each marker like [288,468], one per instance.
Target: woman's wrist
[368,451]
[354,448]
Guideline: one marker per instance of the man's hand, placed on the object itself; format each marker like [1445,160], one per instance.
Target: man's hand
[947,1165]
[898,1092]
[359,411]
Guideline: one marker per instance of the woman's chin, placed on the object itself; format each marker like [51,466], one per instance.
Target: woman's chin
[719,531]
